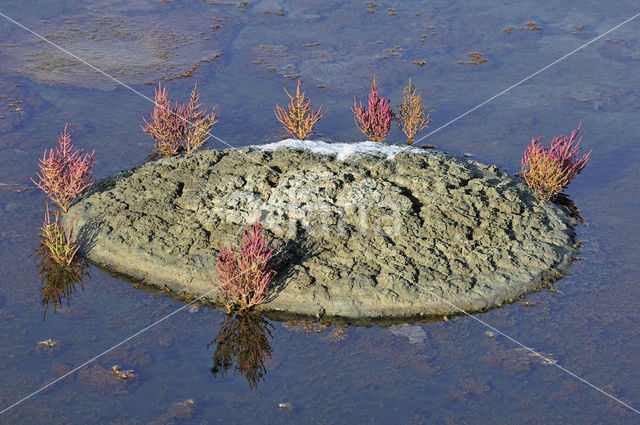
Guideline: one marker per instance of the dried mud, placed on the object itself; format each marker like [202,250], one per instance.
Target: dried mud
[132,49]
[365,238]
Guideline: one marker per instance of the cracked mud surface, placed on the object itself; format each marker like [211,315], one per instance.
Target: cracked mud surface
[409,237]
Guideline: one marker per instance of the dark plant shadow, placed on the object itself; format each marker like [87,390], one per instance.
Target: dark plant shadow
[286,257]
[88,233]
[242,344]
[59,281]
[152,157]
[563,201]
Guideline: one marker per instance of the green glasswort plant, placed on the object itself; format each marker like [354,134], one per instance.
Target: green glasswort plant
[61,244]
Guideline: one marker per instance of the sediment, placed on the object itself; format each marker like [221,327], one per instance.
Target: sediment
[366,237]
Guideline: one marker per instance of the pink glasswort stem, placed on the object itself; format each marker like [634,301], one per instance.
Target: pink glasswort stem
[181,127]
[375,121]
[246,279]
[65,173]
[548,170]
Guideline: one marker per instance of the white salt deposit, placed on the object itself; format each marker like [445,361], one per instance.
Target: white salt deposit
[341,150]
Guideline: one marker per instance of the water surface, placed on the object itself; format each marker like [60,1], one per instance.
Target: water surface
[438,372]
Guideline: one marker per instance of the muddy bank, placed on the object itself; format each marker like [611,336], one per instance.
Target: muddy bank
[397,233]
[130,48]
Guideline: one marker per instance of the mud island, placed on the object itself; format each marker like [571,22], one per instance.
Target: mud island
[365,230]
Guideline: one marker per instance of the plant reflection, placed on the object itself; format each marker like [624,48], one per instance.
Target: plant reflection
[59,281]
[243,341]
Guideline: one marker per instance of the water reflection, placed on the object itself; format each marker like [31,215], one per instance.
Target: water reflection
[243,342]
[59,281]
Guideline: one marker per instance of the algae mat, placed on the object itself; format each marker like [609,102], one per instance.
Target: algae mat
[372,235]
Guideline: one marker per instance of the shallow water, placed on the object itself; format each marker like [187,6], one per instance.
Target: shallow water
[440,372]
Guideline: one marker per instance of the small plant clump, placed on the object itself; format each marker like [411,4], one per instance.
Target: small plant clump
[178,128]
[59,281]
[121,373]
[64,173]
[244,280]
[548,170]
[48,343]
[61,244]
[299,118]
[411,113]
[375,121]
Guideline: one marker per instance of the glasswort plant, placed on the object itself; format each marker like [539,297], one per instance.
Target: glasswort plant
[60,243]
[244,280]
[181,127]
[411,113]
[299,118]
[375,121]
[64,173]
[548,170]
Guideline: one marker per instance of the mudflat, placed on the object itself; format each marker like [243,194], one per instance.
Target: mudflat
[374,234]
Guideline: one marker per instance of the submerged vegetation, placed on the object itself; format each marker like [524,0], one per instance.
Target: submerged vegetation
[179,127]
[244,280]
[548,170]
[299,118]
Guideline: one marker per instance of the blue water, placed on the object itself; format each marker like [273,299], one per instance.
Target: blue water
[452,372]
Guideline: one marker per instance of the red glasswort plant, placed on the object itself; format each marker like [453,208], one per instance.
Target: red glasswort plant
[298,119]
[61,245]
[178,128]
[165,125]
[244,280]
[549,170]
[65,173]
[375,121]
